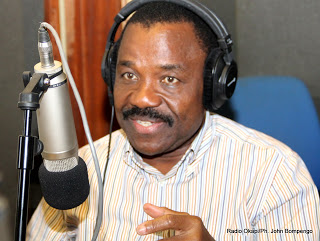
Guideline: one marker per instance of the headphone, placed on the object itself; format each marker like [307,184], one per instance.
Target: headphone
[220,72]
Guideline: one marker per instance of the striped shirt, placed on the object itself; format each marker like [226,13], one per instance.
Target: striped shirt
[243,184]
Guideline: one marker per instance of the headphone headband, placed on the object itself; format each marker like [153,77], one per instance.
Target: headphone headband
[224,39]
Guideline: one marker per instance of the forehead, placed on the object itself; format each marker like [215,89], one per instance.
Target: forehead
[167,41]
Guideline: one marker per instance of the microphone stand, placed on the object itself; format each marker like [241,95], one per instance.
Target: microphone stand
[29,146]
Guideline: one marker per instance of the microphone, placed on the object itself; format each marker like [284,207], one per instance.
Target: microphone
[63,174]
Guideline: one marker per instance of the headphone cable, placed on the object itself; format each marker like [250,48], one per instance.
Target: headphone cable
[109,144]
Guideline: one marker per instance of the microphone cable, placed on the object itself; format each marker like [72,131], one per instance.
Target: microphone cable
[85,126]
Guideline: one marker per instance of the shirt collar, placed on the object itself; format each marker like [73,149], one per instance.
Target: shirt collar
[197,143]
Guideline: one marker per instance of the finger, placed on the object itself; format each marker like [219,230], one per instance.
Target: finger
[174,238]
[165,222]
[155,211]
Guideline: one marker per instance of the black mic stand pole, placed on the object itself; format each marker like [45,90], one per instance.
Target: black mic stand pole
[29,146]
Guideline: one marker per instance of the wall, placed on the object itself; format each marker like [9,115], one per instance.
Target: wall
[18,47]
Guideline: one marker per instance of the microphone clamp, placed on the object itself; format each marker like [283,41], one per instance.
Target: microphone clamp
[35,85]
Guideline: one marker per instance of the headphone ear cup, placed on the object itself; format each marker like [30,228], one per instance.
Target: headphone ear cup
[219,80]
[110,69]
[113,63]
[214,66]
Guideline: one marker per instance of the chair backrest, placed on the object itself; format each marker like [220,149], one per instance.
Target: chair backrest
[282,108]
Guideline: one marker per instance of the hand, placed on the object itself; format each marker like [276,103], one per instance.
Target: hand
[186,227]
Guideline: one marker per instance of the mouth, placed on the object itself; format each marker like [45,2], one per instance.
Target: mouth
[144,123]
[143,126]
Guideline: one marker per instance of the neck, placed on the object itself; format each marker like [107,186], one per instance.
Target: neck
[165,162]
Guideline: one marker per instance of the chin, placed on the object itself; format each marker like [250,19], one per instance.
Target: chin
[147,149]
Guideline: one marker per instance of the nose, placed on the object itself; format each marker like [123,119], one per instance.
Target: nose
[145,95]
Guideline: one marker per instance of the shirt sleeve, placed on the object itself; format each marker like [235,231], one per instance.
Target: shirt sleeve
[46,223]
[291,208]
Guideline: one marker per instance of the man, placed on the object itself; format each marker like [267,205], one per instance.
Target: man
[176,171]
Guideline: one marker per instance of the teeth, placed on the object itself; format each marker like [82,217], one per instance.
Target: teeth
[144,123]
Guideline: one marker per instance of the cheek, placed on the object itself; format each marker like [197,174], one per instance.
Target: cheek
[119,103]
[119,97]
[188,107]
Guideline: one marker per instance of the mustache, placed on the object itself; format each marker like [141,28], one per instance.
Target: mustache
[149,112]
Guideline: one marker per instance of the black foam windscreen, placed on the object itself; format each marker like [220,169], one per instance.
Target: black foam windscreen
[65,190]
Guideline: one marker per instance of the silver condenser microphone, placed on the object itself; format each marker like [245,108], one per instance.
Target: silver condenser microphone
[63,175]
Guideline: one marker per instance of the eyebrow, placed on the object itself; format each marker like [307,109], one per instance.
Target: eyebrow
[129,64]
[171,67]
[126,63]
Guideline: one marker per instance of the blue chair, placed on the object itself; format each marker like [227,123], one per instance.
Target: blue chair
[282,108]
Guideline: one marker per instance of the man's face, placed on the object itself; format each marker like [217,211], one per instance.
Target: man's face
[158,87]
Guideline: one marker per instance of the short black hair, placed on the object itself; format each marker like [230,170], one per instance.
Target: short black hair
[167,12]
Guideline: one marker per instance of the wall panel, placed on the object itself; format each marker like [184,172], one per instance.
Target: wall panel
[87,24]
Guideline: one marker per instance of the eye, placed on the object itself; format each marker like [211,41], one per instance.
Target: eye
[129,76]
[170,80]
